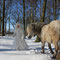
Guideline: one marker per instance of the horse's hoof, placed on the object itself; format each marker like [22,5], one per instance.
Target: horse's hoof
[53,57]
[42,52]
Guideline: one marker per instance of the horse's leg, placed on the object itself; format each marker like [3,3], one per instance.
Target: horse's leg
[43,43]
[50,48]
[56,50]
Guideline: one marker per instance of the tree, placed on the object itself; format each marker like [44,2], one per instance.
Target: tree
[35,6]
[8,5]
[9,20]
[3,18]
[48,11]
[31,14]
[0,24]
[0,20]
[43,11]
[54,9]
[40,9]
[24,16]
[17,12]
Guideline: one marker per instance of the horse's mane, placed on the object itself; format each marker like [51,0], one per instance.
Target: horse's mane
[37,26]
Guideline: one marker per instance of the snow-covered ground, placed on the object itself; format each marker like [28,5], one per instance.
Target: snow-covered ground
[34,52]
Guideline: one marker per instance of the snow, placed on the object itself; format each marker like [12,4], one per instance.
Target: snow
[34,52]
[24,57]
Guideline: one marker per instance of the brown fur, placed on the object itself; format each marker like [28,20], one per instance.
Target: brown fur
[51,33]
[58,56]
[48,33]
[34,28]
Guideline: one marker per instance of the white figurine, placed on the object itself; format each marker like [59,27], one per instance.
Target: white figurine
[19,42]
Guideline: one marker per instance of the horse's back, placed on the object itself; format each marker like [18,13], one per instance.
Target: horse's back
[55,27]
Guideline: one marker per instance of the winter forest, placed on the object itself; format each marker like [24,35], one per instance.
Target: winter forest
[27,11]
[18,39]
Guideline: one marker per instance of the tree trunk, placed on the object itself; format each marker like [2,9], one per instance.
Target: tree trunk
[40,10]
[3,18]
[9,23]
[0,25]
[17,13]
[31,16]
[24,16]
[54,9]
[44,10]
[35,5]
[5,27]
[49,12]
